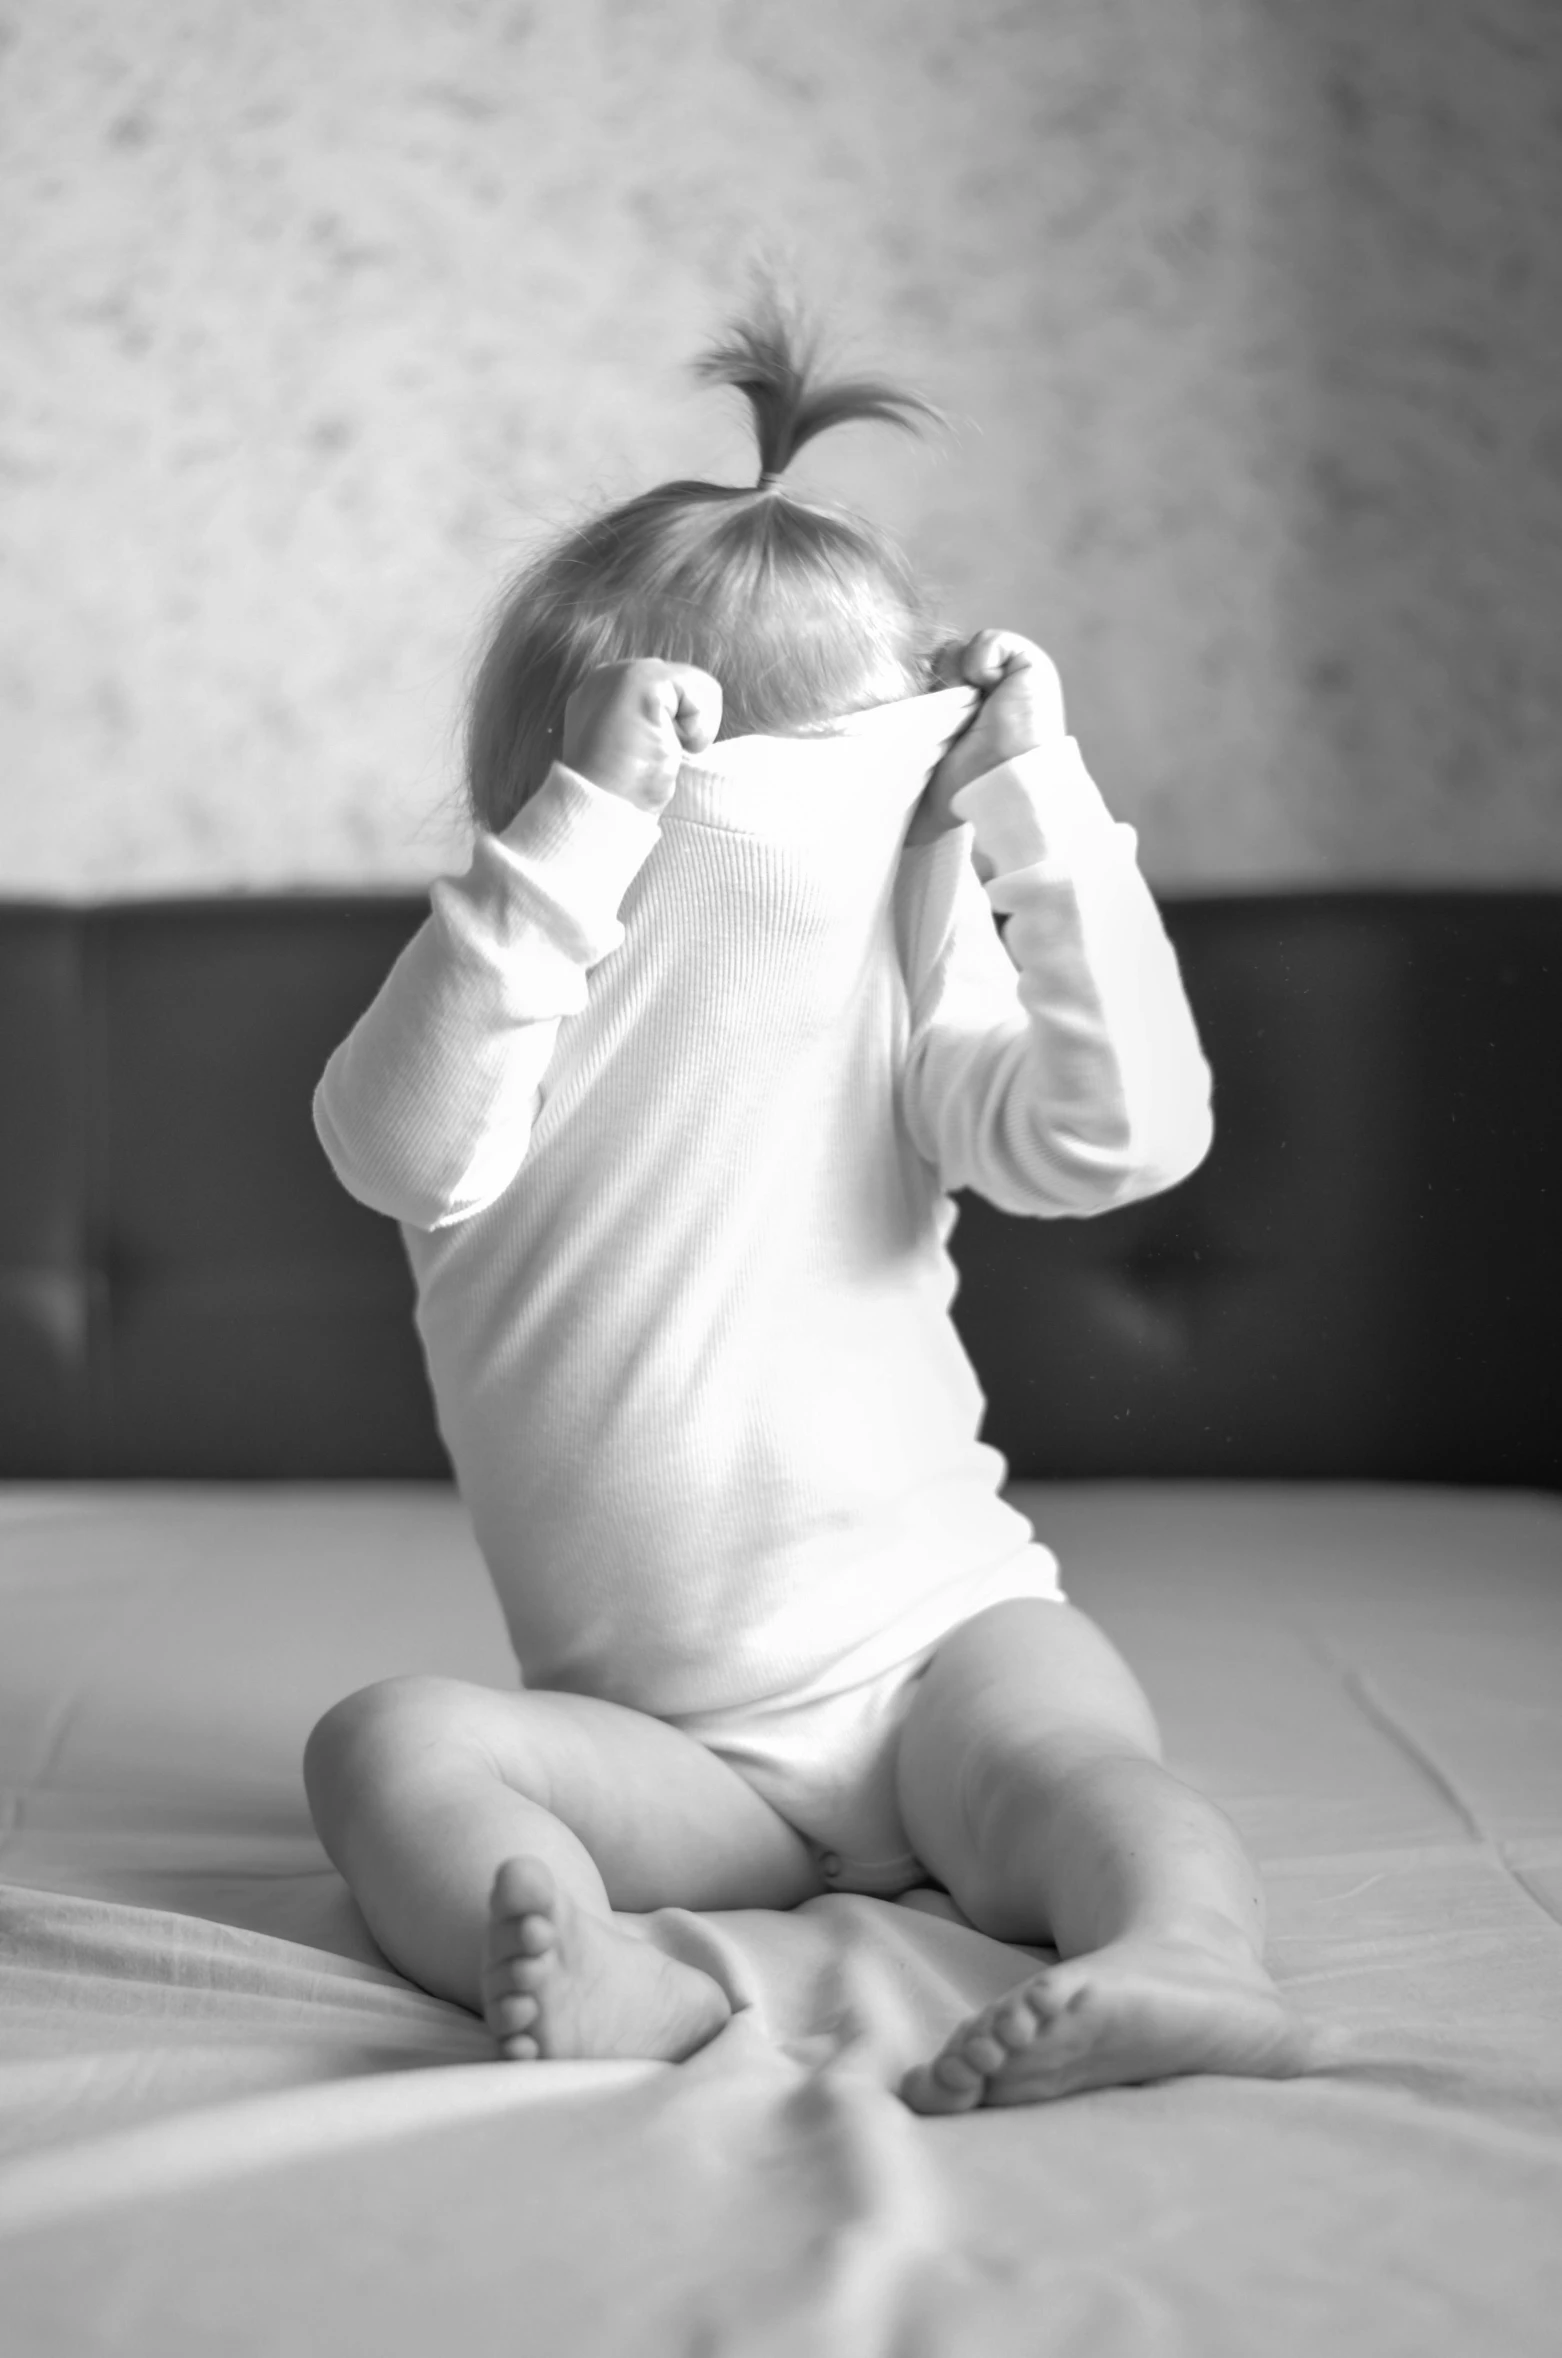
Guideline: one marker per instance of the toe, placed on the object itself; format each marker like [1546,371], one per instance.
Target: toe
[954,2073]
[927,2094]
[507,2015]
[503,1979]
[519,2050]
[1015,2024]
[1050,1996]
[505,1942]
[984,2053]
[523,1887]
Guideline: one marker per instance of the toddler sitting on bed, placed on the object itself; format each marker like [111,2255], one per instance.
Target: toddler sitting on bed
[668,1095]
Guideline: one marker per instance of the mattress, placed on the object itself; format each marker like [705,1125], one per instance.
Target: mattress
[227,2125]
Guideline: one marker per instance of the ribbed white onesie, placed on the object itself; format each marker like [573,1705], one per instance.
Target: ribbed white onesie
[670,1109]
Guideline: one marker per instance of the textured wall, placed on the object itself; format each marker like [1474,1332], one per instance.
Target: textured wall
[1248,314]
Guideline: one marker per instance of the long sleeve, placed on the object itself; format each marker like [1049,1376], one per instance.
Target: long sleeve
[426,1108]
[1057,1072]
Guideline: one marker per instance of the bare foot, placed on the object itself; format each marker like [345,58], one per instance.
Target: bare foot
[559,1981]
[1145,2008]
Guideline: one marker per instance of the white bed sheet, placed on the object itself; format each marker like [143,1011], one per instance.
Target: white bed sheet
[226,2124]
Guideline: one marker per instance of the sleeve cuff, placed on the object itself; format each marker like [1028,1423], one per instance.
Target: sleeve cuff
[590,844]
[1041,808]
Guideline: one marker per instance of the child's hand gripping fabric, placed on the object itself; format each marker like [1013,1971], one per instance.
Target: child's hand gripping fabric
[1021,710]
[629,725]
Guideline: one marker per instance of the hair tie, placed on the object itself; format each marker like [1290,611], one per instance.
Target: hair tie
[768,481]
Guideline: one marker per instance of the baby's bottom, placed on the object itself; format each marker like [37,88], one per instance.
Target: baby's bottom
[827,1757]
[827,1764]
[828,1767]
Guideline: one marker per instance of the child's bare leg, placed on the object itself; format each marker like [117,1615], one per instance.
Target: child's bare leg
[489,1839]
[1031,1784]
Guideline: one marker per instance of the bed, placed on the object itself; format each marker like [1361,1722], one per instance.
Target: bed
[1294,1433]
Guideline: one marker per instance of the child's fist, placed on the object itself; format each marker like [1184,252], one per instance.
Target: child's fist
[1022,699]
[628,726]
[1021,708]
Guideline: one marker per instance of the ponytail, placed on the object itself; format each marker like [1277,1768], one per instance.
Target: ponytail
[773,363]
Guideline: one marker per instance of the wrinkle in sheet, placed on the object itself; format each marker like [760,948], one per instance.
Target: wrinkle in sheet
[461,2225]
[1375,1707]
[1521,1883]
[846,2156]
[1380,1715]
[1536,1866]
[86,1970]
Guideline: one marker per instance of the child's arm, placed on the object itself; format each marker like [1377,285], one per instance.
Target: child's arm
[426,1108]
[1077,1082]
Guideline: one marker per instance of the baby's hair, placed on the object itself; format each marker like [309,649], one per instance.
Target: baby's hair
[802,611]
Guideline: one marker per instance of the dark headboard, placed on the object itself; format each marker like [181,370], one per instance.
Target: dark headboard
[1363,1281]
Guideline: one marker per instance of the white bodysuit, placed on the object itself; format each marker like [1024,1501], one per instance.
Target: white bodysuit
[669,1110]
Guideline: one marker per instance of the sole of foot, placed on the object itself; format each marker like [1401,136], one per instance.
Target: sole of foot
[1139,2010]
[561,1982]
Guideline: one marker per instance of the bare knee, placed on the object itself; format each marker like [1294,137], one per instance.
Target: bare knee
[1016,1704]
[369,1741]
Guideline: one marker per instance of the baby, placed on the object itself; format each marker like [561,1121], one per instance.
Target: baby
[669,1095]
